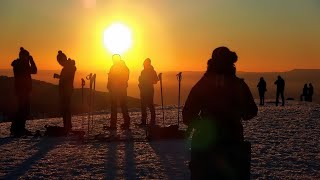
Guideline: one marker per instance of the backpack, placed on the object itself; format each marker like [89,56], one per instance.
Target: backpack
[168,132]
[55,131]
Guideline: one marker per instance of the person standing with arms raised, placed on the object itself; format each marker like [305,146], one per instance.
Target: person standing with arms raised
[23,67]
[66,79]
[214,108]
[147,79]
[118,77]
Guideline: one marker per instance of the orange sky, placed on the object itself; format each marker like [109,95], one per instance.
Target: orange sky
[177,35]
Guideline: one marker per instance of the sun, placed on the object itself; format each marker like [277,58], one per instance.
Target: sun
[117,38]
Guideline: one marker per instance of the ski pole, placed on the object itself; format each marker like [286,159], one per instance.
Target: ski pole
[179,77]
[83,83]
[160,78]
[90,100]
[93,100]
[147,128]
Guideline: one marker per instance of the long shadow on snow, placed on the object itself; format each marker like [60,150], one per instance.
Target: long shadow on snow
[112,162]
[172,155]
[130,165]
[44,146]
[6,140]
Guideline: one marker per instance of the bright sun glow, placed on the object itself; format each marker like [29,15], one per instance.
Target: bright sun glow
[117,38]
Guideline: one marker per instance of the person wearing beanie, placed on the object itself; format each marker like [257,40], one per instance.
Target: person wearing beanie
[23,67]
[66,79]
[117,85]
[215,108]
[147,79]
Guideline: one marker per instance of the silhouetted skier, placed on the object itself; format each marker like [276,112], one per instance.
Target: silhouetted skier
[117,85]
[66,79]
[305,93]
[280,90]
[262,87]
[214,108]
[147,79]
[23,67]
[310,92]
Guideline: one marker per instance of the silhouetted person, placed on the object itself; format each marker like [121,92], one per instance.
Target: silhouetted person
[117,85]
[262,88]
[214,108]
[310,92]
[66,79]
[280,90]
[305,93]
[23,67]
[147,79]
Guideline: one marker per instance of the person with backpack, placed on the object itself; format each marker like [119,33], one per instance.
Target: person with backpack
[147,79]
[214,109]
[23,68]
[66,79]
[117,85]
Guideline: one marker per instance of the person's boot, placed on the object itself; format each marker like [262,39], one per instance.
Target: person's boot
[13,130]
[143,123]
[112,127]
[125,126]
[27,132]
[16,133]
[113,124]
[152,123]
[37,134]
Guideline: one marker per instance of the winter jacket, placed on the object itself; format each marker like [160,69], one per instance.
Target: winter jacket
[22,70]
[215,107]
[148,78]
[118,77]
[262,86]
[67,78]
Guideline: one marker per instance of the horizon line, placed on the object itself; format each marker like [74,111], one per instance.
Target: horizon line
[296,69]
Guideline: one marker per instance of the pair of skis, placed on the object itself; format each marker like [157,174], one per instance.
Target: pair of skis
[91,100]
[164,132]
[179,78]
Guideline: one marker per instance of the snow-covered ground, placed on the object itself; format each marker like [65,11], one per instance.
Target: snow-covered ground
[285,145]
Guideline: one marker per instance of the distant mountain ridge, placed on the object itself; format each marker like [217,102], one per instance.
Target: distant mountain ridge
[295,79]
[306,70]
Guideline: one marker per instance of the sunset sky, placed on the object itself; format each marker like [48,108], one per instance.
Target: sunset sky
[270,35]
